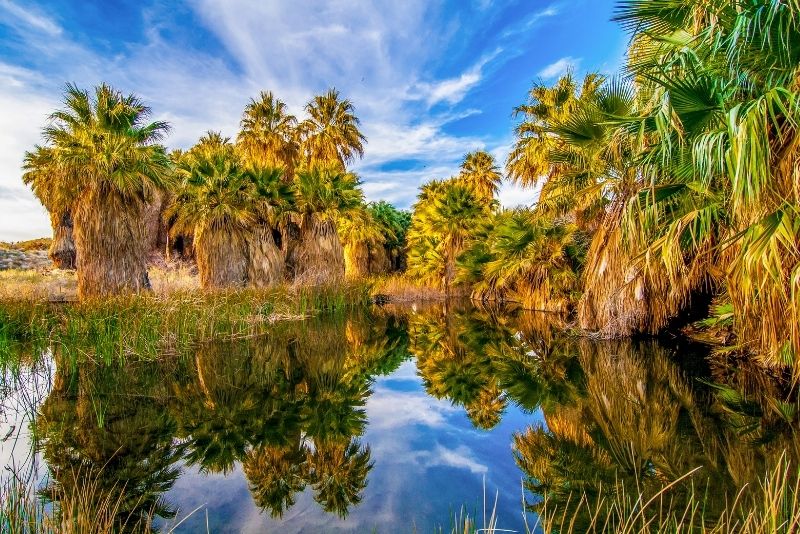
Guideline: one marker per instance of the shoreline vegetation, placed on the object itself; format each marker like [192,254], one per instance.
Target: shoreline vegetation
[669,204]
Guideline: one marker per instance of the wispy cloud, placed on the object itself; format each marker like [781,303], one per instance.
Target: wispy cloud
[559,68]
[28,16]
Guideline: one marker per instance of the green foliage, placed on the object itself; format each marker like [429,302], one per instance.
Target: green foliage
[220,190]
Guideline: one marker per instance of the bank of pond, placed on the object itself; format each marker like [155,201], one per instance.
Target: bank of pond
[397,419]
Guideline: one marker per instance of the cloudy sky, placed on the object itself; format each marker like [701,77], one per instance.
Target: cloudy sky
[431,80]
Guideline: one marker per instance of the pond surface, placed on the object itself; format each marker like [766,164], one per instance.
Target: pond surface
[387,420]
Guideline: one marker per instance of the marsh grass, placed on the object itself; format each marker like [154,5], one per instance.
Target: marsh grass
[151,325]
[88,509]
[771,506]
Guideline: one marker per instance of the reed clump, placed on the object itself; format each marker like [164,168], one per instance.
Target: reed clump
[769,505]
[150,325]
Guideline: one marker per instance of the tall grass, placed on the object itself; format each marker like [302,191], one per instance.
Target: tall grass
[772,506]
[89,509]
[149,325]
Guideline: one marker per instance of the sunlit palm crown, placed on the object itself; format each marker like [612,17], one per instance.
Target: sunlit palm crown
[268,134]
[330,134]
[326,190]
[107,143]
[480,173]
[220,189]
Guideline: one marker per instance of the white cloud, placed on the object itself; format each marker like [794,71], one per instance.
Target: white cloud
[559,68]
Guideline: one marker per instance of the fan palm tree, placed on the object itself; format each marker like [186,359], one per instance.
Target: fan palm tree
[394,225]
[41,174]
[230,208]
[721,78]
[268,135]
[527,258]
[323,193]
[111,164]
[529,161]
[330,134]
[446,218]
[481,175]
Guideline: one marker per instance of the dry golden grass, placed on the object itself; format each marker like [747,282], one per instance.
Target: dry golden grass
[33,285]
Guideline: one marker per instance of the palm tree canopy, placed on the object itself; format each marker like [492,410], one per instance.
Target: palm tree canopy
[331,132]
[268,134]
[106,141]
[480,173]
[326,190]
[220,189]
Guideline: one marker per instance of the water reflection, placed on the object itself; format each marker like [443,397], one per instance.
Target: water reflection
[289,414]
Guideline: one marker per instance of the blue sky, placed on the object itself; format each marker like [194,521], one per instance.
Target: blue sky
[430,80]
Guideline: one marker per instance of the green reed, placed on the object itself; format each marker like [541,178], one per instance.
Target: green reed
[769,505]
[150,325]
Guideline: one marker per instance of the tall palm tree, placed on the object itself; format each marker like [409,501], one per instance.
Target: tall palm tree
[268,135]
[41,171]
[529,161]
[721,175]
[322,194]
[110,161]
[481,175]
[445,220]
[230,208]
[330,134]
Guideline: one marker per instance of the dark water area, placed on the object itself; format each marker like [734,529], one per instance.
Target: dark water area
[393,419]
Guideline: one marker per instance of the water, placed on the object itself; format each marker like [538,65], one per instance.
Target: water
[388,420]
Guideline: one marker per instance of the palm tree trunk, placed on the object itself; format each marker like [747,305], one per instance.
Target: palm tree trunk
[379,261]
[356,260]
[265,267]
[221,257]
[62,248]
[320,253]
[290,240]
[110,245]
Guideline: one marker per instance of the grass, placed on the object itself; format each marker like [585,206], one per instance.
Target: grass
[772,506]
[88,509]
[152,324]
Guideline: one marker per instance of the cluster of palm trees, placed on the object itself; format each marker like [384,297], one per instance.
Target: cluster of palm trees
[258,210]
[671,186]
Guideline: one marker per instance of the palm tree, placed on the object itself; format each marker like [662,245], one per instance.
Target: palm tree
[394,225]
[41,174]
[529,258]
[322,195]
[446,218]
[721,174]
[330,134]
[229,207]
[268,135]
[529,161]
[109,161]
[481,175]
